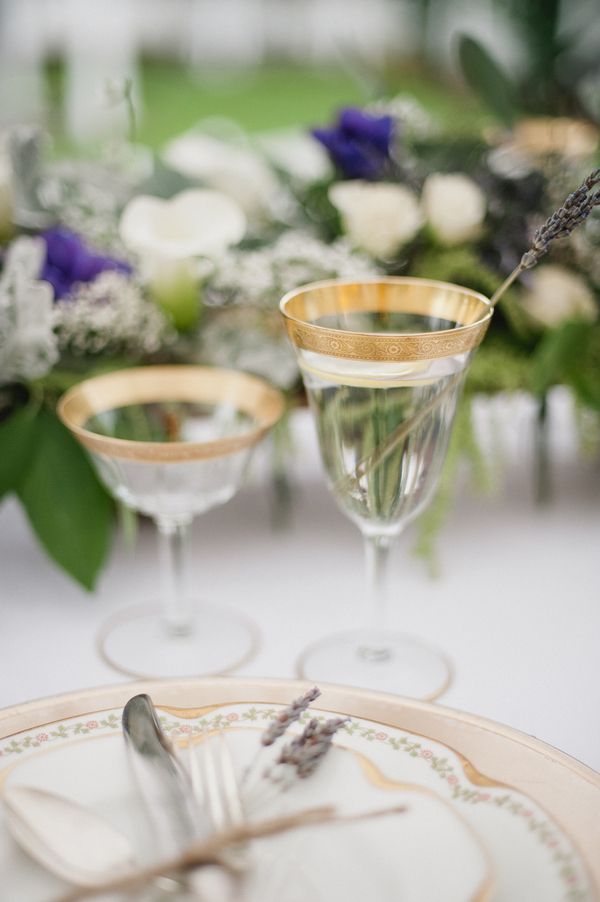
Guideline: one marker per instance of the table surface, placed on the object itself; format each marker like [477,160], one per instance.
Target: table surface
[516,606]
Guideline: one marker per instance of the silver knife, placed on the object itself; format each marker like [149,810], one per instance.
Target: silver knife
[163,784]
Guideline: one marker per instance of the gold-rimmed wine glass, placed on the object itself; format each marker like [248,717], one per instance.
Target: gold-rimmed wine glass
[383,362]
[172,442]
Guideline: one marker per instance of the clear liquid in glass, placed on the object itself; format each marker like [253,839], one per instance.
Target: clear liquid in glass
[383,430]
[175,489]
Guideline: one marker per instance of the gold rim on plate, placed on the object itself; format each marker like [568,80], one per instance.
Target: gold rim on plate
[185,383]
[568,790]
[470,312]
[370,771]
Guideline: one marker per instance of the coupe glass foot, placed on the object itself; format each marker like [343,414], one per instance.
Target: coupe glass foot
[138,643]
[383,661]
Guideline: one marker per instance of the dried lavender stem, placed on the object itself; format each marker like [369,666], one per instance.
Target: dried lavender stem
[383,450]
[506,284]
[278,727]
[575,210]
[298,758]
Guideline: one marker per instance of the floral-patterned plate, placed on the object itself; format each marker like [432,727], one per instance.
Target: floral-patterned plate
[490,813]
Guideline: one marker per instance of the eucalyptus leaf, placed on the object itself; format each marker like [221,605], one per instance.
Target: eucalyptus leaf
[488,80]
[67,507]
[16,447]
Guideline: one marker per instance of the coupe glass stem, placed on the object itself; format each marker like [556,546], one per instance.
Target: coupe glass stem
[174,568]
[377,569]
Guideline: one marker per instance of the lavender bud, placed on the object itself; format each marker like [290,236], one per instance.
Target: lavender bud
[575,210]
[289,716]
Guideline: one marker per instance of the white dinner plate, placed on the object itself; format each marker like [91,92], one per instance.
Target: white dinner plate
[490,813]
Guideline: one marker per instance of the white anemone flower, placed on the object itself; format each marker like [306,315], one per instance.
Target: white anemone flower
[378,217]
[232,168]
[194,223]
[297,154]
[169,236]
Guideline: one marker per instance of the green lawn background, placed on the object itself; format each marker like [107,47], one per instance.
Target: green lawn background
[274,96]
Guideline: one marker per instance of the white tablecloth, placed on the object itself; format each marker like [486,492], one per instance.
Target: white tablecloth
[517,605]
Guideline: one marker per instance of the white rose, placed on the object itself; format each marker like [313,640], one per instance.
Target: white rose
[556,294]
[231,168]
[6,200]
[378,217]
[454,207]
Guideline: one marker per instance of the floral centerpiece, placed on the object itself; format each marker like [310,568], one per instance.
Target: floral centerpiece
[115,264]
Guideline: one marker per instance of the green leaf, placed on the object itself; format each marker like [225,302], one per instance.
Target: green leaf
[557,354]
[584,368]
[67,507]
[487,79]
[16,447]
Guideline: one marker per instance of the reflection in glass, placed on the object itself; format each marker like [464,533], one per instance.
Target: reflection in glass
[171,443]
[383,363]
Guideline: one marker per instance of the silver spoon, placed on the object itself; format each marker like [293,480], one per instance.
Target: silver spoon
[81,848]
[67,839]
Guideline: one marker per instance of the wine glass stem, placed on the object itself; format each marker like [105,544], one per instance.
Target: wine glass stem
[174,568]
[377,568]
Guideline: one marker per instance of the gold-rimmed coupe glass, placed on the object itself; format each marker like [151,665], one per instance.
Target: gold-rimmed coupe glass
[172,442]
[383,363]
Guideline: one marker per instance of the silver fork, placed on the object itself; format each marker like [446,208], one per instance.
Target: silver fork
[215,787]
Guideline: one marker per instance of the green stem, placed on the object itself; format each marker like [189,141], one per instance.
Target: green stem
[543,487]
[381,452]
[130,106]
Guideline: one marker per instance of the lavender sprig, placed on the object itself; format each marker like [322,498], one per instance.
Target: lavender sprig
[288,716]
[575,210]
[307,751]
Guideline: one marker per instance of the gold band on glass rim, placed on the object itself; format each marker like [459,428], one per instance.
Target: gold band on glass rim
[183,383]
[305,306]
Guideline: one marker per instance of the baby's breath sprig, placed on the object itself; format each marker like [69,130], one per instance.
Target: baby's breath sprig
[575,210]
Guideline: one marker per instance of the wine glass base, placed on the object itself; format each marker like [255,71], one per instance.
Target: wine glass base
[136,642]
[384,661]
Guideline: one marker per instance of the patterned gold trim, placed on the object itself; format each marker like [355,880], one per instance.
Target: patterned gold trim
[303,307]
[195,384]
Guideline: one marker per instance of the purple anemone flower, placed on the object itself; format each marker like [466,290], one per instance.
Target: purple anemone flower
[359,144]
[69,261]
